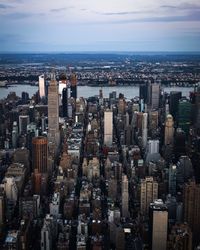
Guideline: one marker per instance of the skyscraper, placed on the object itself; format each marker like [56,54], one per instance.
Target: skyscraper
[121,106]
[108,127]
[14,134]
[25,97]
[172,179]
[125,197]
[40,153]
[153,147]
[169,130]
[174,98]
[73,81]
[2,208]
[143,92]
[53,116]
[184,114]
[153,120]
[101,96]
[23,122]
[179,143]
[158,215]
[144,129]
[192,208]
[155,95]
[65,102]
[148,193]
[196,108]
[128,135]
[42,87]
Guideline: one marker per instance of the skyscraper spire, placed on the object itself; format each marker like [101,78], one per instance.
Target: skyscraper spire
[53,75]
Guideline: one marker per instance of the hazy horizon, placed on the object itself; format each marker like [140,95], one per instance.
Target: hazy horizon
[100,52]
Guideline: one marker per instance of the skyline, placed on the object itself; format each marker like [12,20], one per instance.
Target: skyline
[85,26]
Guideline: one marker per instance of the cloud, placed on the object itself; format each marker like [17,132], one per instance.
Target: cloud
[119,13]
[61,9]
[183,6]
[192,16]
[18,15]
[4,6]
[168,7]
[22,15]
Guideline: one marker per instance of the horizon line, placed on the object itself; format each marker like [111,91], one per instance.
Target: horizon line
[99,52]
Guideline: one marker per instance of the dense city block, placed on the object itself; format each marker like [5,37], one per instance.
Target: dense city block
[103,172]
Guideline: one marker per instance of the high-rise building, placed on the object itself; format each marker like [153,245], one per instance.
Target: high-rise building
[172,179]
[166,109]
[53,117]
[139,119]
[65,102]
[43,123]
[144,129]
[119,238]
[148,193]
[143,92]
[197,107]
[153,147]
[184,169]
[42,87]
[179,143]
[22,155]
[127,118]
[125,197]
[192,208]
[142,105]
[73,81]
[180,237]
[108,127]
[153,120]
[23,122]
[61,85]
[169,130]
[48,232]
[112,96]
[184,114]
[121,106]
[40,153]
[158,216]
[14,135]
[54,206]
[128,137]
[155,95]
[101,96]
[25,97]
[174,98]
[29,207]
[11,189]
[2,208]
[31,113]
[12,240]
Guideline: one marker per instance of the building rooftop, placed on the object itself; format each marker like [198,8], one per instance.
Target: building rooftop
[12,236]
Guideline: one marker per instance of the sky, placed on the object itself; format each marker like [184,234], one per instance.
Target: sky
[99,25]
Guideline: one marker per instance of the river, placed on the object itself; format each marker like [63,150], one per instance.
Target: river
[86,91]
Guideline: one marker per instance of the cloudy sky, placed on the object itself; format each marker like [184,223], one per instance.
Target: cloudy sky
[99,25]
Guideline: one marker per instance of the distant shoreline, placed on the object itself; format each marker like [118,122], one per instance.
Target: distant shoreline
[104,85]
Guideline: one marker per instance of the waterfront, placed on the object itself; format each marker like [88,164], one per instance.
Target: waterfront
[86,91]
